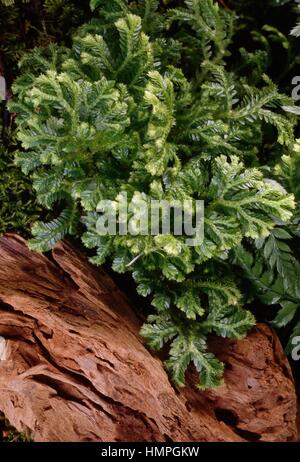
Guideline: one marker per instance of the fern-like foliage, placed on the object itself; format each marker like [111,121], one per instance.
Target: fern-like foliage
[11,2]
[273,266]
[151,110]
[18,207]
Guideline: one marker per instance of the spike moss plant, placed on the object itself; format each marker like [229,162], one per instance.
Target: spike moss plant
[145,103]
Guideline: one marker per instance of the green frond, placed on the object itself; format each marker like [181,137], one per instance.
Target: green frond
[220,292]
[189,303]
[188,346]
[159,331]
[227,321]
[192,349]
[246,195]
[212,25]
[46,235]
[159,95]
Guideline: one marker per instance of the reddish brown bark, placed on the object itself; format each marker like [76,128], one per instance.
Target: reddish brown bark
[73,367]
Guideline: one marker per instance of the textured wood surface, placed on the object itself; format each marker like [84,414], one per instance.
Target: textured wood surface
[73,367]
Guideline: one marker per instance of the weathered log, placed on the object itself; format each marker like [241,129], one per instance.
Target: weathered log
[74,368]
